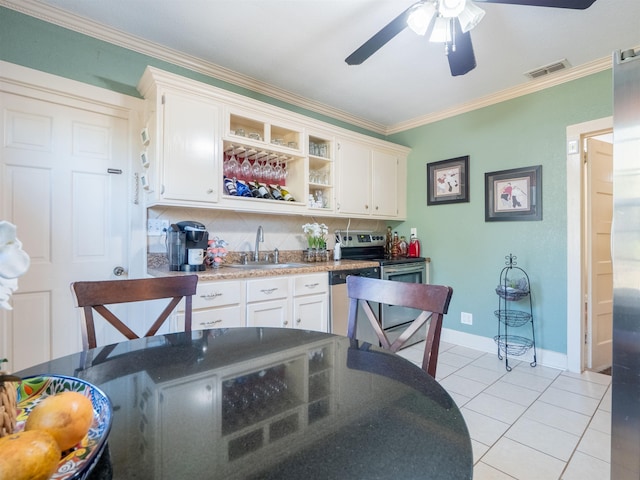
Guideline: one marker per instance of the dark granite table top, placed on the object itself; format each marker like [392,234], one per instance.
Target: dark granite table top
[269,403]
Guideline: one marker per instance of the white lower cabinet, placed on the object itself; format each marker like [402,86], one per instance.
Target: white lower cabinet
[216,305]
[268,302]
[286,301]
[268,314]
[297,301]
[311,302]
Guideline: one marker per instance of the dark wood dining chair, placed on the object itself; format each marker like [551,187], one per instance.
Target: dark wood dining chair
[95,295]
[433,300]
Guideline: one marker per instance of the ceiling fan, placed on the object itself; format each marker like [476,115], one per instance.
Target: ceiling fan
[452,22]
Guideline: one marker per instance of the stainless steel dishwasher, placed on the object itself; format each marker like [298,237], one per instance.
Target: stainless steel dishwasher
[339,302]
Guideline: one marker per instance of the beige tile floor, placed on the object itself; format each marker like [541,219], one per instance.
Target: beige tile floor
[531,423]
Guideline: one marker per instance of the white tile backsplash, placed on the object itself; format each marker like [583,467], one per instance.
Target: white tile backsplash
[238,229]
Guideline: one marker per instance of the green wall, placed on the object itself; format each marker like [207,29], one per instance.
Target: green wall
[466,252]
[32,43]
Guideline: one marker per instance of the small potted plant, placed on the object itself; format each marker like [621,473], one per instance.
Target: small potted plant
[316,241]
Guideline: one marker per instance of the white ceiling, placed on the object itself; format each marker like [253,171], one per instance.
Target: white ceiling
[299,46]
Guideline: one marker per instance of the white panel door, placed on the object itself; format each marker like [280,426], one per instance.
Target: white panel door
[600,269]
[71,214]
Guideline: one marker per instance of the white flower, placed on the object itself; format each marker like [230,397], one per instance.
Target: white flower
[7,287]
[315,233]
[13,262]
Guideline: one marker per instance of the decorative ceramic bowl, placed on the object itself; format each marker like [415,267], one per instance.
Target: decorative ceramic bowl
[77,462]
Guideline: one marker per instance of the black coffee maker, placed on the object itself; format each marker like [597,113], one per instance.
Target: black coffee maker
[187,243]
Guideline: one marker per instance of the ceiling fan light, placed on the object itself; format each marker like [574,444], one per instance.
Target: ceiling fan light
[470,17]
[451,8]
[420,17]
[441,32]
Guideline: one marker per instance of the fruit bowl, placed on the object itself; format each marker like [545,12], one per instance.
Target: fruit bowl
[77,462]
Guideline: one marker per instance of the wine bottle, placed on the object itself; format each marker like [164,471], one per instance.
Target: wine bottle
[286,195]
[262,189]
[230,186]
[243,189]
[275,192]
[254,190]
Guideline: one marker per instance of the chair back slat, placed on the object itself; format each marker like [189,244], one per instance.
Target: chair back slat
[96,295]
[432,300]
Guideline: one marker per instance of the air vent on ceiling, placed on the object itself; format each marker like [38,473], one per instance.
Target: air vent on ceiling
[547,69]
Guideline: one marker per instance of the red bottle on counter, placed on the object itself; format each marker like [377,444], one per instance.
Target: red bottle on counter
[414,246]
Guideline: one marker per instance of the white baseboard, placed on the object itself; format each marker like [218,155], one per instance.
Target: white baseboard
[545,358]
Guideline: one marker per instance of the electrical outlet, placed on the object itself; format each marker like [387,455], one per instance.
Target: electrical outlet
[414,231]
[466,318]
[156,227]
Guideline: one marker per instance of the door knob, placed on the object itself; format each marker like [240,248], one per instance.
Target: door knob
[118,271]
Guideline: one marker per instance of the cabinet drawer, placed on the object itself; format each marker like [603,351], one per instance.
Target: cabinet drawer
[310,284]
[217,294]
[267,289]
[225,317]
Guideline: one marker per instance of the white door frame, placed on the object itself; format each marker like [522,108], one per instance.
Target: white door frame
[575,200]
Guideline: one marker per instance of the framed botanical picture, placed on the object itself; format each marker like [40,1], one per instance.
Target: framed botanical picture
[513,195]
[448,181]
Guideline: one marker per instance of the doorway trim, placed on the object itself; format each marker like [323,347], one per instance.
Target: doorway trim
[575,225]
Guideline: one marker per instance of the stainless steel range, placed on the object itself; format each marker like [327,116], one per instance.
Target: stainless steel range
[361,245]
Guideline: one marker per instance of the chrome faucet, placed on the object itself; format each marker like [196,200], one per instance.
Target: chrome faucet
[259,238]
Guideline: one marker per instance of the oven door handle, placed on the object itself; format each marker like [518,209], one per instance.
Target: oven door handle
[415,267]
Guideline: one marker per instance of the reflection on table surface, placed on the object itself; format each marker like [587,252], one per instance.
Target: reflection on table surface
[270,403]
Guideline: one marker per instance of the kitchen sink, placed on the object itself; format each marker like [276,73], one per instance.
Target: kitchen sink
[265,266]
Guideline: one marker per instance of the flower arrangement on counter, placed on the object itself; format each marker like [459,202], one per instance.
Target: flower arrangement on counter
[14,262]
[315,233]
[216,251]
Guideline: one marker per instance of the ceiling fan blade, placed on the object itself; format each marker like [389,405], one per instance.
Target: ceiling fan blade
[376,42]
[572,4]
[461,60]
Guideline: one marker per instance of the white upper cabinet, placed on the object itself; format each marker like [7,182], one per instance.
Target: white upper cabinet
[190,167]
[203,147]
[385,188]
[354,178]
[371,181]
[180,151]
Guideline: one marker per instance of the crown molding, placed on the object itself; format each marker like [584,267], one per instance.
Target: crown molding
[96,30]
[533,86]
[99,31]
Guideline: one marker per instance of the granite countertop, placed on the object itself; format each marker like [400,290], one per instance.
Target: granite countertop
[232,273]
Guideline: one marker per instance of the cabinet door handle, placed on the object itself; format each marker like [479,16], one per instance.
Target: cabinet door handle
[211,296]
[210,190]
[210,322]
[366,207]
[299,321]
[285,323]
[311,285]
[269,291]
